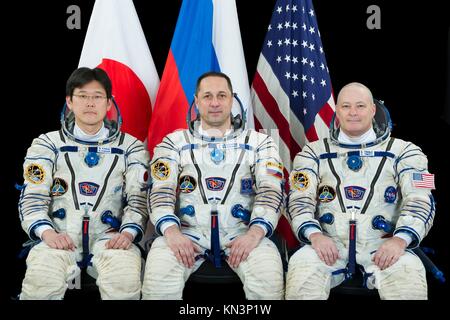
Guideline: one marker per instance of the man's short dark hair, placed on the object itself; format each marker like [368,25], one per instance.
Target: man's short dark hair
[213,74]
[83,75]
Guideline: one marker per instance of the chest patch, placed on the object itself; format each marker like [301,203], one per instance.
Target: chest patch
[215,183]
[326,194]
[354,193]
[88,188]
[187,184]
[59,187]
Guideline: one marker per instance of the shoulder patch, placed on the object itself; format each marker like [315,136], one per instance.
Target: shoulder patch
[300,181]
[160,170]
[274,169]
[34,173]
[423,180]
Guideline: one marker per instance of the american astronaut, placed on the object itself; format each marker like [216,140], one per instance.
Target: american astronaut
[84,197]
[216,194]
[342,188]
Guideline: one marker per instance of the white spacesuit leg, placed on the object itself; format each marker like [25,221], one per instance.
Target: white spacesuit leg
[309,278]
[164,276]
[262,273]
[119,272]
[48,271]
[404,280]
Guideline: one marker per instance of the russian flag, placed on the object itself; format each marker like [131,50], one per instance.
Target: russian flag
[207,38]
[116,43]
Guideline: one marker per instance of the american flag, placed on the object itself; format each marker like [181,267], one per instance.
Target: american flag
[292,91]
[423,180]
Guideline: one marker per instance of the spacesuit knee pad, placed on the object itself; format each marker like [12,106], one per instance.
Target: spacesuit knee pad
[404,280]
[263,273]
[47,274]
[307,277]
[119,273]
[164,276]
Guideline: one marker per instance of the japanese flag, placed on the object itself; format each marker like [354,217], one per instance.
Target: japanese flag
[116,43]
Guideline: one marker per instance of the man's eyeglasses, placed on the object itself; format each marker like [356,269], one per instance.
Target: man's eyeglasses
[86,98]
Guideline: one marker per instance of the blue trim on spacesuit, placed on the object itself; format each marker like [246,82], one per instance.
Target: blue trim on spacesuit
[432,209]
[301,229]
[34,225]
[242,146]
[51,148]
[190,146]
[165,219]
[306,169]
[413,233]
[136,227]
[113,150]
[40,158]
[190,235]
[265,223]
[375,154]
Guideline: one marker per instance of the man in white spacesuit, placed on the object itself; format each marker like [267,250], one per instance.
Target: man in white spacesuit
[342,188]
[216,194]
[84,197]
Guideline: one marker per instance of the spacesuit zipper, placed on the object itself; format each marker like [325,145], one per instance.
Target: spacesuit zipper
[215,241]
[352,244]
[86,257]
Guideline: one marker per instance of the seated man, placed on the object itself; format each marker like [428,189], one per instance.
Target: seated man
[341,188]
[81,183]
[216,194]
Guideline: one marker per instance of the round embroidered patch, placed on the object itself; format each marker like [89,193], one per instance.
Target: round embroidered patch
[300,181]
[326,194]
[160,170]
[187,184]
[59,187]
[34,173]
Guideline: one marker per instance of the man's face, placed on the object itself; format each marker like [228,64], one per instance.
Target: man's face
[89,104]
[214,101]
[355,110]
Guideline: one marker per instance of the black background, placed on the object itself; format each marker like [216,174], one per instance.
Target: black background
[405,64]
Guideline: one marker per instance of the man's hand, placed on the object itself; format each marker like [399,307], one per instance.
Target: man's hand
[58,240]
[241,246]
[324,247]
[183,247]
[389,252]
[120,241]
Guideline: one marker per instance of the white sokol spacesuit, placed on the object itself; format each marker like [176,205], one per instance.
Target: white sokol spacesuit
[214,189]
[333,183]
[85,189]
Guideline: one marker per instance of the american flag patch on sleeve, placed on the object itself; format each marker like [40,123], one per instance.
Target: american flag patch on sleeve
[423,180]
